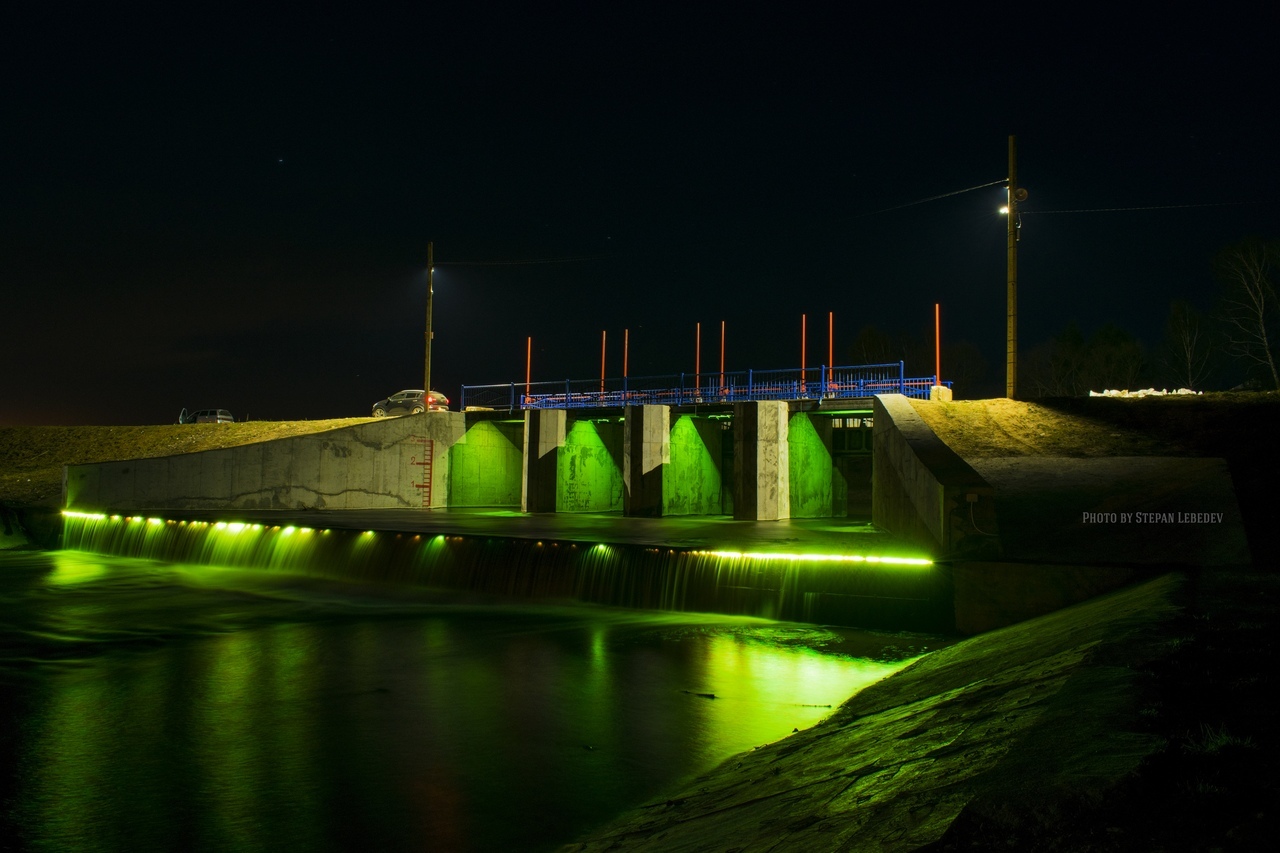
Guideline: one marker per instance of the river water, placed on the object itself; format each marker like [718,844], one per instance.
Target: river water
[152,705]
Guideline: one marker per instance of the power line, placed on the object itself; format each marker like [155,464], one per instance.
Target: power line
[945,195]
[525,262]
[1148,207]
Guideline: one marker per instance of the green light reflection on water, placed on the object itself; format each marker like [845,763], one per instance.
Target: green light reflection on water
[292,755]
[226,751]
[757,683]
[276,738]
[269,737]
[76,567]
[87,725]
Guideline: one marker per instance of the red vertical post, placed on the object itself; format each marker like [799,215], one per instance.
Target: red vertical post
[722,355]
[697,358]
[831,346]
[937,345]
[528,363]
[804,332]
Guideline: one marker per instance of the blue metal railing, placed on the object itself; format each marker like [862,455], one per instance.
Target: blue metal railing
[678,389]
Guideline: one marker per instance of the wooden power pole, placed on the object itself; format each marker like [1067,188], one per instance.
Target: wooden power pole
[1011,333]
[426,364]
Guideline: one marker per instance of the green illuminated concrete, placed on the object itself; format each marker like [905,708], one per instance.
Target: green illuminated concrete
[571,465]
[692,484]
[851,487]
[673,468]
[589,468]
[812,474]
[485,466]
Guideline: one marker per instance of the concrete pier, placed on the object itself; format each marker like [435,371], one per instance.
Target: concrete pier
[761,461]
[544,433]
[646,454]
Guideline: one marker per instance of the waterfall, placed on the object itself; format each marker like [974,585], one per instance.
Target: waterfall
[856,591]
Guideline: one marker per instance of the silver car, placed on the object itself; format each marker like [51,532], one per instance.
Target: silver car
[206,416]
[410,403]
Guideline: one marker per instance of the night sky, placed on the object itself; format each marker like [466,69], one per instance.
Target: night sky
[207,210]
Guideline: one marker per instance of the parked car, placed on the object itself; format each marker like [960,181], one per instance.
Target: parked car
[206,416]
[410,403]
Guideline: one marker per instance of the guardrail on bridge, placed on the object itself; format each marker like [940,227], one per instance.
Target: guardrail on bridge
[812,383]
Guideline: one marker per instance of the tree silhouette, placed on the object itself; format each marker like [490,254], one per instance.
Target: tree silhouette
[1071,365]
[1186,349]
[1249,310]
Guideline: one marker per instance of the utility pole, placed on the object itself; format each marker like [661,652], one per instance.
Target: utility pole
[426,364]
[1016,195]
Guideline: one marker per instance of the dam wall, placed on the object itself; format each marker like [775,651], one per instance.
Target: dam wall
[764,461]
[392,463]
[1021,536]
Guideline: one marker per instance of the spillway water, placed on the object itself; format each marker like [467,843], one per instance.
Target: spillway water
[870,592]
[191,698]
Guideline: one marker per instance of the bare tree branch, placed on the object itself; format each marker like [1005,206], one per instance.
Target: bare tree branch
[1249,306]
[1186,346]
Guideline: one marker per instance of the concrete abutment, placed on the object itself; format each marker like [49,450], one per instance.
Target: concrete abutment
[393,463]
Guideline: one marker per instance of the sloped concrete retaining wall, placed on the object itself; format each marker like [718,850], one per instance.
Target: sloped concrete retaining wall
[366,466]
[922,488]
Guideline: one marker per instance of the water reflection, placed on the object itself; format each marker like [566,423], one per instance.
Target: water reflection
[158,706]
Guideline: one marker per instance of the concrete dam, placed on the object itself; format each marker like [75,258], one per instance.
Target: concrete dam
[757,508]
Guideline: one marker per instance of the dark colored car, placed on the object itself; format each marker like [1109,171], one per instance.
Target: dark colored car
[206,416]
[409,403]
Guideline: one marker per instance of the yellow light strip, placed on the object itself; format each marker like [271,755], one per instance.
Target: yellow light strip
[870,559]
[819,558]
